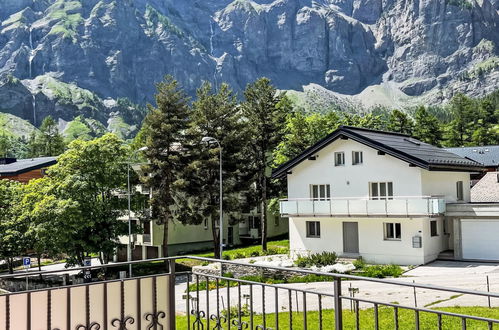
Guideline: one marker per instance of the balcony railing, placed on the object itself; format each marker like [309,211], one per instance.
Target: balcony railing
[206,301]
[394,206]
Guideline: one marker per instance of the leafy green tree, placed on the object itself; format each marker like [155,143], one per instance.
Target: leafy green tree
[52,221]
[265,110]
[48,141]
[427,127]
[400,122]
[216,115]
[13,238]
[164,130]
[84,183]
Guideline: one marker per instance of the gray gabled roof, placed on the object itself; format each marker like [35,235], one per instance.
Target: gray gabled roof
[401,146]
[26,165]
[487,155]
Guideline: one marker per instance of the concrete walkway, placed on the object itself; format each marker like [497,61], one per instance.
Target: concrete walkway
[470,276]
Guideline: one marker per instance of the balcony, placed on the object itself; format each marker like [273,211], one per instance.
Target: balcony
[335,207]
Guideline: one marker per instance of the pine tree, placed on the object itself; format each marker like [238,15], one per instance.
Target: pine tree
[164,130]
[215,115]
[265,110]
[460,129]
[48,141]
[400,122]
[427,127]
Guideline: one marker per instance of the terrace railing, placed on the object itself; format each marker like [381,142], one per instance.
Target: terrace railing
[186,300]
[349,206]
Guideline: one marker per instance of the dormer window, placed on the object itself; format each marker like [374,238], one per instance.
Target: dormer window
[339,159]
[357,158]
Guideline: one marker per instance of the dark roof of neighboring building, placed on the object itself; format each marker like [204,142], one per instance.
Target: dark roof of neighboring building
[398,145]
[487,155]
[20,166]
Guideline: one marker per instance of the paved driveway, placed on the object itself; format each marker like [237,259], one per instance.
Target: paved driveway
[471,276]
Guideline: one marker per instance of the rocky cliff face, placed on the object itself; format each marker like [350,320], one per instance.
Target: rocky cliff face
[410,48]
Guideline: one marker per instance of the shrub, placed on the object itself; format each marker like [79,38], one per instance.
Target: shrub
[317,259]
[239,255]
[234,311]
[227,257]
[359,263]
[382,271]
[255,253]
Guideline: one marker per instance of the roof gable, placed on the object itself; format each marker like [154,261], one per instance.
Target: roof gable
[398,145]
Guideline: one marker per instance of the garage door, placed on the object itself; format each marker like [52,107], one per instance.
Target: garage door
[480,239]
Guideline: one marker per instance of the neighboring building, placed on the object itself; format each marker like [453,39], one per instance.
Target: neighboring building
[487,189]
[485,185]
[486,155]
[184,239]
[24,170]
[386,197]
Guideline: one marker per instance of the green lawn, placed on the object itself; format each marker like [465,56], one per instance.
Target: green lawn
[386,319]
[274,247]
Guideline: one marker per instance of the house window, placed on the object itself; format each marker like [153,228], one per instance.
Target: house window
[433,228]
[459,188]
[313,229]
[339,159]
[357,158]
[393,231]
[320,191]
[381,190]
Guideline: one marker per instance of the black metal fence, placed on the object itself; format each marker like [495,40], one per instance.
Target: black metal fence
[185,300]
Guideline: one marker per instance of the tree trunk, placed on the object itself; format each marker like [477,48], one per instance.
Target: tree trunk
[10,263]
[263,214]
[39,260]
[165,239]
[216,238]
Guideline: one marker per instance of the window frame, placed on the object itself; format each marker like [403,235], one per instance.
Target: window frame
[432,233]
[317,229]
[321,188]
[361,158]
[336,154]
[393,226]
[388,188]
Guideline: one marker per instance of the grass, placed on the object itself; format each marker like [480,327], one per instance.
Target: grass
[274,247]
[366,320]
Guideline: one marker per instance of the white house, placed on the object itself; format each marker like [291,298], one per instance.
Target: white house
[386,197]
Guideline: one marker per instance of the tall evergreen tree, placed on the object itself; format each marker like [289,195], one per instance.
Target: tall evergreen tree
[400,122]
[460,129]
[265,110]
[165,127]
[427,127]
[216,115]
[48,141]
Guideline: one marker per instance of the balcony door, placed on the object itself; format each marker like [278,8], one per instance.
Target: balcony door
[381,190]
[350,237]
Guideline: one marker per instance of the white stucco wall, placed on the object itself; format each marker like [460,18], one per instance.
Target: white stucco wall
[353,180]
[372,245]
[444,183]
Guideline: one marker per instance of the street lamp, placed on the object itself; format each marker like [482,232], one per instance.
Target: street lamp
[129,249]
[210,140]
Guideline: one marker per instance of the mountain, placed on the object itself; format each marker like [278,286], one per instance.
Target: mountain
[362,51]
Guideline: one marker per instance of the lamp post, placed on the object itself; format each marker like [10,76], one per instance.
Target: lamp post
[210,140]
[129,249]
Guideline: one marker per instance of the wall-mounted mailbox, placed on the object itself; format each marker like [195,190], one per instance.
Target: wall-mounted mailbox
[417,242]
